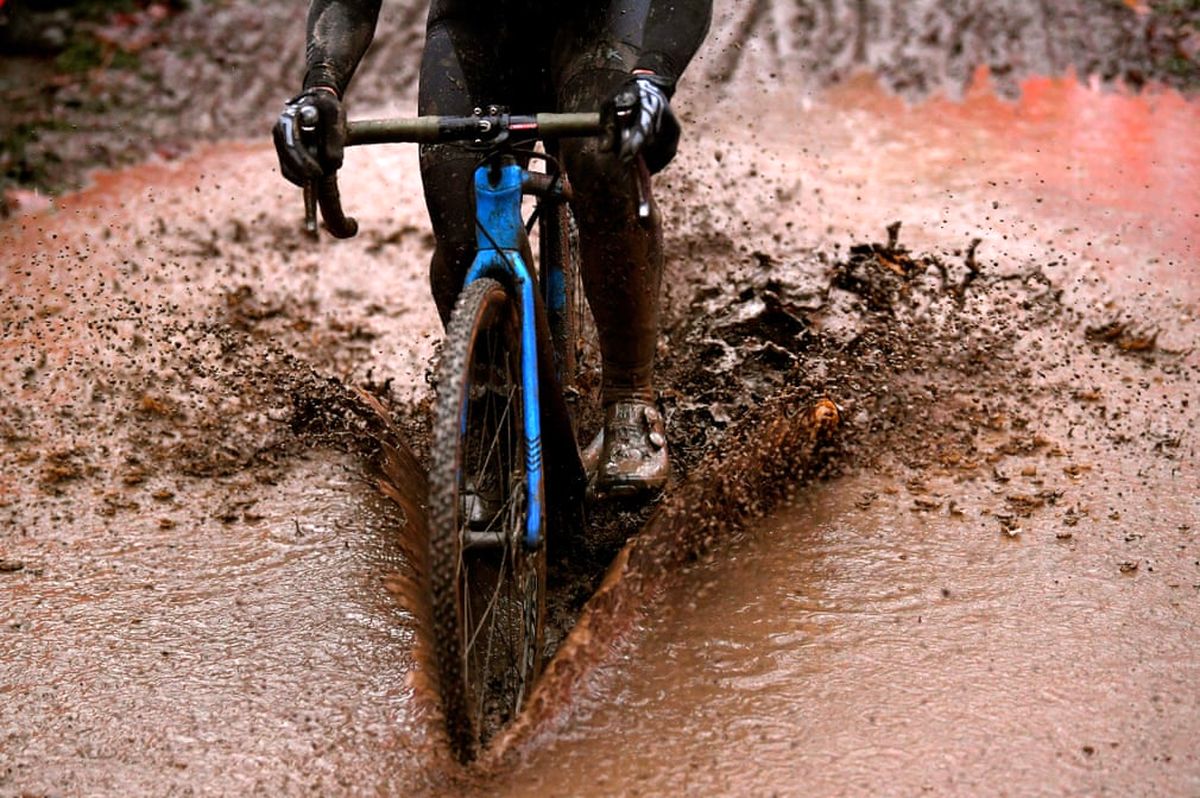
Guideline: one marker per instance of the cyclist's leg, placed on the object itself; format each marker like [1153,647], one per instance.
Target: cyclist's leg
[622,256]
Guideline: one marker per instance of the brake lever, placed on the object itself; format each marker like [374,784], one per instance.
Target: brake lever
[308,118]
[624,105]
[323,193]
[311,228]
[643,192]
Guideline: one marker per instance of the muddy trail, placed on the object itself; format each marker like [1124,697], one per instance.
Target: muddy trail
[85,87]
[987,576]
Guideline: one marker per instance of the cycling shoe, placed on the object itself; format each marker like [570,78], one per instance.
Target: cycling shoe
[629,456]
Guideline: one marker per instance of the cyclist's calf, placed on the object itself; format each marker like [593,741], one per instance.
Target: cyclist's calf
[622,265]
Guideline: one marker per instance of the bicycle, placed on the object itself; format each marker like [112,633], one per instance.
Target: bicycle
[509,366]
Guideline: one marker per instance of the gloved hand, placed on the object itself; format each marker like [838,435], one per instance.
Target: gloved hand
[645,124]
[310,136]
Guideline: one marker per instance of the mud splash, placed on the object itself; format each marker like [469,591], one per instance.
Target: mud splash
[779,446]
[844,649]
[197,557]
[1004,594]
[898,336]
[996,587]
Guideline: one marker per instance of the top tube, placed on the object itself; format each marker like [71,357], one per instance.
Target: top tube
[483,128]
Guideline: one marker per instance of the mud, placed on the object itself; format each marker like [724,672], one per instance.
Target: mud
[927,46]
[781,444]
[846,649]
[205,584]
[998,585]
[134,656]
[1004,601]
[184,486]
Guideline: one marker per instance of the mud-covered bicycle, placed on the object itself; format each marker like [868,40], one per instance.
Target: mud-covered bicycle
[505,463]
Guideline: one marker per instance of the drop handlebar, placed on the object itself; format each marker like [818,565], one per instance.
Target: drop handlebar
[489,130]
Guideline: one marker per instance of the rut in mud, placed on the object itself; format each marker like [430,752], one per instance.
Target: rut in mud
[202,577]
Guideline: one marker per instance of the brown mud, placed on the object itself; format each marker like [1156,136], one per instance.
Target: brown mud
[997,584]
[202,583]
[780,443]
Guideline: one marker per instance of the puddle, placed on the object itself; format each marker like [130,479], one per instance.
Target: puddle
[851,650]
[1008,596]
[258,655]
[228,630]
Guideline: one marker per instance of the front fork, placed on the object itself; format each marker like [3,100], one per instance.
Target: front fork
[498,254]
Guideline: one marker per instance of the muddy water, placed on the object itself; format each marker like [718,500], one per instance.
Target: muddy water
[258,653]
[1016,615]
[846,650]
[194,595]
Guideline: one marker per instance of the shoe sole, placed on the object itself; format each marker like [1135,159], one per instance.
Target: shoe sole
[624,491]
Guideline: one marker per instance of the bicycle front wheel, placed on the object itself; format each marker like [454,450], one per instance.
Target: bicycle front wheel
[488,588]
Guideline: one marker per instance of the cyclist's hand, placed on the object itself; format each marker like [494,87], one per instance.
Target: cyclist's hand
[310,136]
[645,124]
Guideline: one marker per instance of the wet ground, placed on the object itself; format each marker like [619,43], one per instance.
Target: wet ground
[254,657]
[1005,600]
[850,650]
[196,555]
[992,587]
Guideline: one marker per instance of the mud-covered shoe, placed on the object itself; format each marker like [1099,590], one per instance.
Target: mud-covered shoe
[629,457]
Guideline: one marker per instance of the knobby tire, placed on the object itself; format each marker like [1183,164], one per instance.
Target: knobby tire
[489,600]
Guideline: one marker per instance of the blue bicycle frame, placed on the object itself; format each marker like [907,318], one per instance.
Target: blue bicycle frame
[498,255]
[498,192]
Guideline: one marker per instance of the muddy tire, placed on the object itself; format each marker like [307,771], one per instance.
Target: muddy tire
[487,588]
